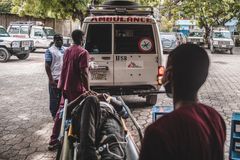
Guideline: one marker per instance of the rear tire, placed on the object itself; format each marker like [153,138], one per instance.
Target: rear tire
[23,56]
[231,51]
[151,99]
[212,49]
[33,50]
[4,55]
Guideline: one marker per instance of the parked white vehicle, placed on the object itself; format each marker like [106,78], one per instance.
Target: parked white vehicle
[221,40]
[126,53]
[9,46]
[169,41]
[196,36]
[41,35]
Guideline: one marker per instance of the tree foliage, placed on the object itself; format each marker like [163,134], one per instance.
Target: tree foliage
[166,25]
[5,6]
[152,3]
[59,8]
[75,9]
[208,13]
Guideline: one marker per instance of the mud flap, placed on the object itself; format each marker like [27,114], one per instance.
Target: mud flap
[151,99]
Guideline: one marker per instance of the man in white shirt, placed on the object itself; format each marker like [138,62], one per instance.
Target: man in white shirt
[53,66]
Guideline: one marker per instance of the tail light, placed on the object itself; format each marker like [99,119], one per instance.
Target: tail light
[160,74]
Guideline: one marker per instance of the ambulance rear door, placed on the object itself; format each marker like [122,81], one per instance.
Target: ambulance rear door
[135,57]
[99,45]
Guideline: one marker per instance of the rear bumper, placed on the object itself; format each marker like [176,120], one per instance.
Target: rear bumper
[127,90]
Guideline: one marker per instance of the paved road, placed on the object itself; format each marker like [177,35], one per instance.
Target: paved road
[25,121]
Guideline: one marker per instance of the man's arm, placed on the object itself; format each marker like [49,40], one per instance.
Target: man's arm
[49,74]
[83,66]
[48,61]
[85,79]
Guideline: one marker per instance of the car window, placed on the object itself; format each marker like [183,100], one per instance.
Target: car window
[99,39]
[14,30]
[3,33]
[196,34]
[24,30]
[133,39]
[38,32]
[221,35]
[49,31]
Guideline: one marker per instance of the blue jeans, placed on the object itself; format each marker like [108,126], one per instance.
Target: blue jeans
[55,96]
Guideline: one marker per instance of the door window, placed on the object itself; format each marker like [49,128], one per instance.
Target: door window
[99,39]
[24,30]
[38,32]
[49,32]
[3,33]
[134,39]
[14,30]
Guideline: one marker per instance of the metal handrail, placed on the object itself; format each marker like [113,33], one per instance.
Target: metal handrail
[132,118]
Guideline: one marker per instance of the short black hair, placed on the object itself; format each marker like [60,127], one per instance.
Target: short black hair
[190,64]
[77,36]
[57,36]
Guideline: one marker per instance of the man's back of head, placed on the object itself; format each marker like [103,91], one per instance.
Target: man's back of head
[77,36]
[190,64]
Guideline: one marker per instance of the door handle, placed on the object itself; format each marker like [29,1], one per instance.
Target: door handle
[99,68]
[104,68]
[106,58]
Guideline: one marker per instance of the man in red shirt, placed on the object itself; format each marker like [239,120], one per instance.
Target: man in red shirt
[73,80]
[193,131]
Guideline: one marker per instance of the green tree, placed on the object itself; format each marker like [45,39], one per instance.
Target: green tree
[61,9]
[152,3]
[166,25]
[5,6]
[208,13]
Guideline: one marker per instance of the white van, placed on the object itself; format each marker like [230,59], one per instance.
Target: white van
[40,34]
[125,51]
[221,40]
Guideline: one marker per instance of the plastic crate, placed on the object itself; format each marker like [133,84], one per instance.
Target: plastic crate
[234,150]
[159,111]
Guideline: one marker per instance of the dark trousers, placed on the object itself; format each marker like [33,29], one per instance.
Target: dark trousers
[54,95]
[99,127]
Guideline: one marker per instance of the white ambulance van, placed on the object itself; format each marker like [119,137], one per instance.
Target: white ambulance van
[125,51]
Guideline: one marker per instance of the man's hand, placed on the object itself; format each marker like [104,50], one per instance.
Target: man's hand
[53,83]
[104,97]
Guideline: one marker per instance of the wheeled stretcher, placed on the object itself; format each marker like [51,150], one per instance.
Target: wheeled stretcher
[69,143]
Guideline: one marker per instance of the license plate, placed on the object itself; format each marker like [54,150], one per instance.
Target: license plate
[26,48]
[224,46]
[98,76]
[195,42]
[25,44]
